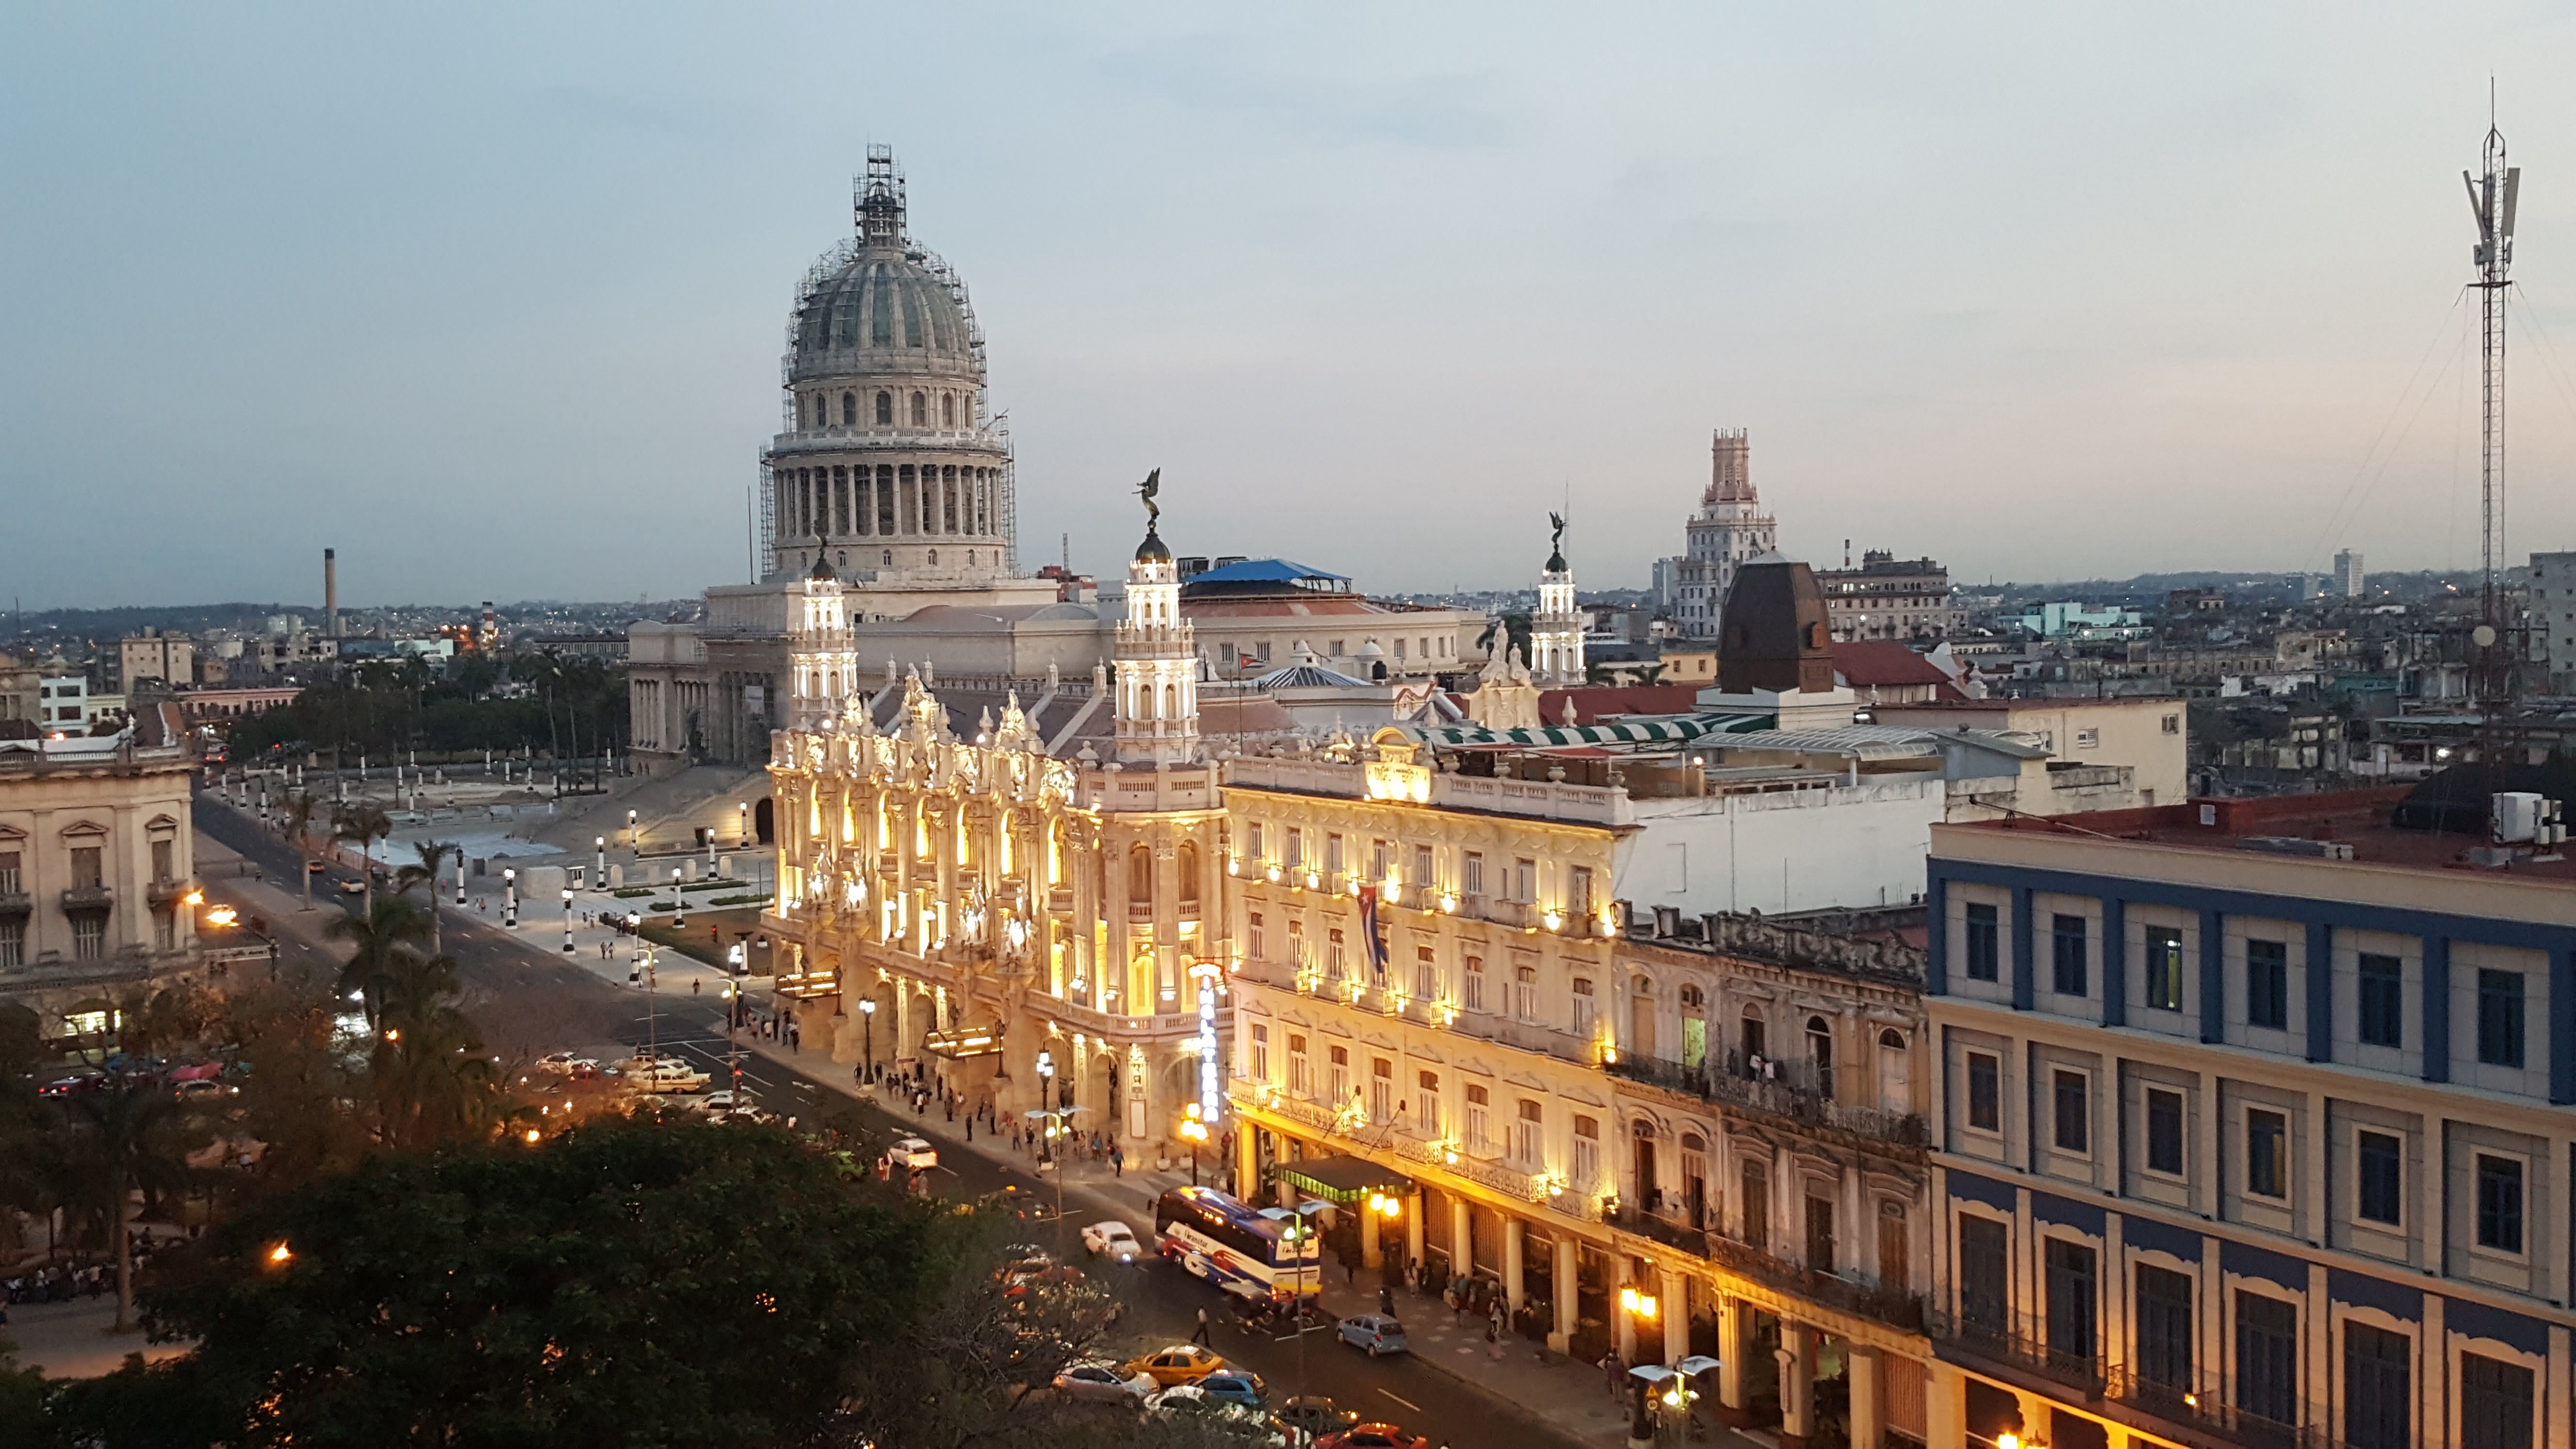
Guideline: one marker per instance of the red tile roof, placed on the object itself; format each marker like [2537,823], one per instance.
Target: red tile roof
[1883,662]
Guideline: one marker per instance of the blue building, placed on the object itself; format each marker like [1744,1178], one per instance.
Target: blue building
[2253,1128]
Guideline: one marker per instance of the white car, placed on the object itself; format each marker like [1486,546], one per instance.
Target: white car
[723,1100]
[1101,1383]
[560,1063]
[667,1075]
[1112,1239]
[912,1154]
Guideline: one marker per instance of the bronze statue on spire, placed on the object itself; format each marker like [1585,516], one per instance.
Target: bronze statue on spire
[1152,485]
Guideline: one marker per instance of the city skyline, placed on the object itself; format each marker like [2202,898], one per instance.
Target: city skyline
[513,302]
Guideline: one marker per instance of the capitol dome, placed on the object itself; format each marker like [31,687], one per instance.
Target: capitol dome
[890,467]
[883,309]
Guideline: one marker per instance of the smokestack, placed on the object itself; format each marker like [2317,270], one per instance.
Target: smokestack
[331,592]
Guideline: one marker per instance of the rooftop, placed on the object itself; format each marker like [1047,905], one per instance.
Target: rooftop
[2322,827]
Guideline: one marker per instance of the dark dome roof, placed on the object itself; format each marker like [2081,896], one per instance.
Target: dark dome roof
[1152,549]
[883,309]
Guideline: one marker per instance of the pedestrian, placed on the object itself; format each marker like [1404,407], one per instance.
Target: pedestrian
[695,984]
[1200,1333]
[1610,1374]
[1386,1300]
[1117,1162]
[970,1127]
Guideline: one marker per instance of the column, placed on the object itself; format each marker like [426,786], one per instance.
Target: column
[1622,1277]
[1247,1161]
[1514,1244]
[1462,1237]
[1861,1372]
[1372,1256]
[902,1044]
[1673,1309]
[1413,1228]
[1945,1405]
[1797,1355]
[1568,1264]
[1730,1365]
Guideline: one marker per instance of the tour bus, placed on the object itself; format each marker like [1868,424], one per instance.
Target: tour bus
[1234,1246]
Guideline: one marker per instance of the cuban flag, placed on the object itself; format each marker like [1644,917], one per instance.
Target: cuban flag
[1369,934]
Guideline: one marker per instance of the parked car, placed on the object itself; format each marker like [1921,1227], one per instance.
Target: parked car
[723,1100]
[1309,1417]
[1190,1400]
[560,1063]
[1112,1239]
[1240,1387]
[666,1076]
[1375,1332]
[1101,1383]
[911,1154]
[1182,1363]
[353,888]
[1372,1436]
[201,1088]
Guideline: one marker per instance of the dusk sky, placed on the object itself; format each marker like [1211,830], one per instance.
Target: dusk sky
[492,299]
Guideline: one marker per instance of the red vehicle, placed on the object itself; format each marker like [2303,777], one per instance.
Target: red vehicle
[1372,1436]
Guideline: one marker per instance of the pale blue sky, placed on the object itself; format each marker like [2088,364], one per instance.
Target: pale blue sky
[492,299]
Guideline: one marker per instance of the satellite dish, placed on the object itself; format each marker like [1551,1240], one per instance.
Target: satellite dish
[2484,636]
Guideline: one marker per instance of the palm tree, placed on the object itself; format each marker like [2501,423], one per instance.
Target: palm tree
[133,1144]
[366,825]
[300,808]
[433,1080]
[380,939]
[432,853]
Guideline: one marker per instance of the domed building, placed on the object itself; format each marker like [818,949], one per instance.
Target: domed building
[889,465]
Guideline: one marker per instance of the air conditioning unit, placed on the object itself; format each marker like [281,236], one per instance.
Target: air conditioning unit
[2520,816]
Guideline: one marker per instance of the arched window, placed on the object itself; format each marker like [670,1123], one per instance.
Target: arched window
[849,410]
[920,411]
[970,558]
[1820,1050]
[1140,876]
[1641,1018]
[885,407]
[1189,870]
[948,409]
[1753,1043]
[889,558]
[934,555]
[1171,701]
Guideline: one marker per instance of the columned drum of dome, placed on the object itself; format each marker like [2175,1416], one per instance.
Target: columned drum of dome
[889,467]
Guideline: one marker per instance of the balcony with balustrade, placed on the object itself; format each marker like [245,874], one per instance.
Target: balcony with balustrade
[2174,1403]
[1792,1094]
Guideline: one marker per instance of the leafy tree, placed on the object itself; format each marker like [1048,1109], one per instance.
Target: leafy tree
[626,1283]
[433,1082]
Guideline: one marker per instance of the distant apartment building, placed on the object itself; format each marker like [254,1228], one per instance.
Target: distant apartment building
[2347,574]
[1729,531]
[170,658]
[2553,618]
[62,703]
[2252,1128]
[1888,598]
[2071,619]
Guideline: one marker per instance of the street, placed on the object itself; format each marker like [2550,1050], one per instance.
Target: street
[530,998]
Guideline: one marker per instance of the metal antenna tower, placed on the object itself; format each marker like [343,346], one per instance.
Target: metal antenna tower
[2496,646]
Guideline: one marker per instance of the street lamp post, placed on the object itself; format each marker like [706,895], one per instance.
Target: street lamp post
[510,899]
[567,904]
[1194,1131]
[599,882]
[742,825]
[1049,1161]
[679,902]
[460,877]
[632,839]
[868,1030]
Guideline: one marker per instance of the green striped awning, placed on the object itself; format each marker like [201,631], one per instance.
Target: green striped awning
[1671,729]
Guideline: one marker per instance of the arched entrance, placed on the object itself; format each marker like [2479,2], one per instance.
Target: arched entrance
[764,826]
